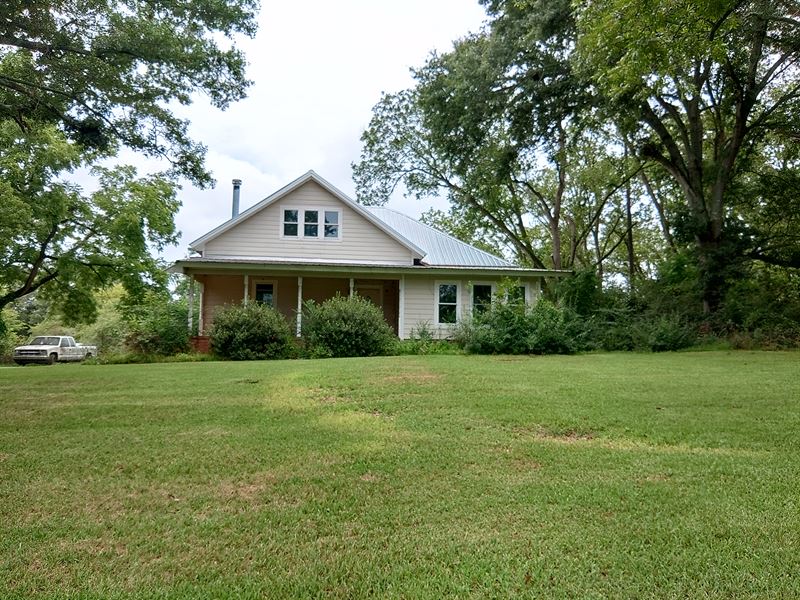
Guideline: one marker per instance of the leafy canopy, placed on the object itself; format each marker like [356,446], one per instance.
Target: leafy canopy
[65,243]
[112,71]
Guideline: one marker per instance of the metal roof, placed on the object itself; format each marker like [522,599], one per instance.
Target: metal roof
[441,249]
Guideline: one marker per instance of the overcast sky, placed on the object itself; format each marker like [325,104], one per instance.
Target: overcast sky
[318,68]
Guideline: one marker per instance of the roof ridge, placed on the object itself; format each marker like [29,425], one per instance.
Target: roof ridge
[440,232]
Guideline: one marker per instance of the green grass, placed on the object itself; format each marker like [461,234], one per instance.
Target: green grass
[597,476]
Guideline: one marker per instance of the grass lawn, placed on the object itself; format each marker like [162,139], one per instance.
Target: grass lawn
[597,476]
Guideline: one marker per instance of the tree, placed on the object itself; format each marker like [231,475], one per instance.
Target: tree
[65,244]
[504,127]
[108,72]
[708,91]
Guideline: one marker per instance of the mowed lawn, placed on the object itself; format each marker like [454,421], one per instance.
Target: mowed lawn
[597,476]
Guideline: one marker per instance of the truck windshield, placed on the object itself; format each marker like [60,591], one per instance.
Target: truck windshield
[45,341]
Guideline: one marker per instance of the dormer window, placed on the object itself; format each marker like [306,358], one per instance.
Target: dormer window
[331,223]
[311,223]
[290,223]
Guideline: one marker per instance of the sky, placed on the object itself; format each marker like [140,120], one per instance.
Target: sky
[318,67]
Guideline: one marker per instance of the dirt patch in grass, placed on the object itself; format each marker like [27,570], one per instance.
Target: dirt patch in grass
[525,464]
[247,491]
[423,377]
[568,436]
[95,547]
[329,395]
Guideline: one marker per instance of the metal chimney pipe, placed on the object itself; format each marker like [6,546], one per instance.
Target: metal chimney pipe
[237,183]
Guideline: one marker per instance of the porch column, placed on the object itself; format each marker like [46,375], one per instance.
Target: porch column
[246,289]
[190,304]
[401,307]
[200,322]
[299,327]
[352,287]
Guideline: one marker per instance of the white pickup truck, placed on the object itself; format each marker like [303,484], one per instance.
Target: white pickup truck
[48,349]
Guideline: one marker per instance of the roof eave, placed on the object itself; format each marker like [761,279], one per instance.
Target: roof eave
[193,265]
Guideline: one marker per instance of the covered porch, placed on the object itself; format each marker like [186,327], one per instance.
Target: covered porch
[288,293]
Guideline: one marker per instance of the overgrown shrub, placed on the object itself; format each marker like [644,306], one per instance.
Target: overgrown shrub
[664,334]
[251,332]
[422,342]
[158,328]
[346,326]
[508,328]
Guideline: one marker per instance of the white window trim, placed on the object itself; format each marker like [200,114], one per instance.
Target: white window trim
[436,285]
[254,283]
[301,215]
[282,221]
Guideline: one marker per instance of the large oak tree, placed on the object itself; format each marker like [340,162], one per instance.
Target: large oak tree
[710,91]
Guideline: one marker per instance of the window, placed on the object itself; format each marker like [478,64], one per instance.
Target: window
[265,293]
[331,224]
[447,305]
[311,223]
[516,295]
[290,223]
[481,298]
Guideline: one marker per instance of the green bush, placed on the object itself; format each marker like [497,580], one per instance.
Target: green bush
[158,328]
[346,327]
[664,334]
[549,330]
[508,328]
[251,332]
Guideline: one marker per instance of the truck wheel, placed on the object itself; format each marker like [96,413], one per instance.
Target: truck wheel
[52,358]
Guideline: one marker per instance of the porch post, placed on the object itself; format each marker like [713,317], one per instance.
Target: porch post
[299,327]
[200,322]
[401,307]
[190,304]
[352,287]
[246,289]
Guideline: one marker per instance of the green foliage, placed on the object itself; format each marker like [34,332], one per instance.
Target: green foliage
[665,67]
[665,333]
[65,244]
[10,327]
[250,332]
[509,328]
[422,342]
[581,292]
[159,326]
[346,326]
[107,73]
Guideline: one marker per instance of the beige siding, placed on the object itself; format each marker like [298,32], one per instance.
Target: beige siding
[219,290]
[260,235]
[420,301]
[418,305]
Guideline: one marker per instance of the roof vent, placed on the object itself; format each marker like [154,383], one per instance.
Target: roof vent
[237,183]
